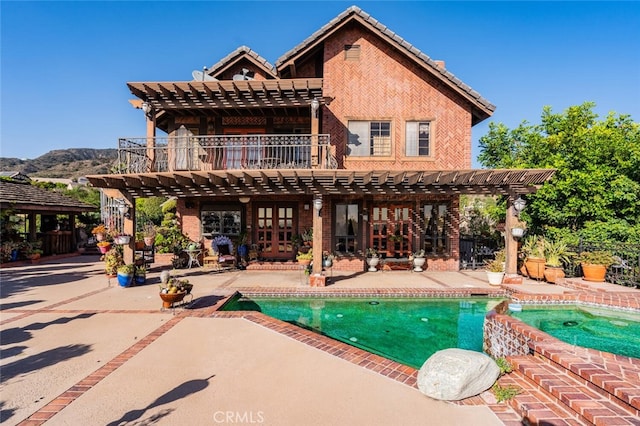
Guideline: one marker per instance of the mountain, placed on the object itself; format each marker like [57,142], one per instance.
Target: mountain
[64,163]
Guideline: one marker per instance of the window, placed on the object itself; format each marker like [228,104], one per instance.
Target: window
[437,230]
[346,228]
[418,138]
[369,138]
[220,222]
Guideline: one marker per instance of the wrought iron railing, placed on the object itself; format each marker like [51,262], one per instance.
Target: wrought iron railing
[225,152]
[626,269]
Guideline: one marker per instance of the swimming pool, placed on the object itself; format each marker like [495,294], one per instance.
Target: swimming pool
[406,330]
[606,330]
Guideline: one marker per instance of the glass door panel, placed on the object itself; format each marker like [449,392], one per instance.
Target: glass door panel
[275,229]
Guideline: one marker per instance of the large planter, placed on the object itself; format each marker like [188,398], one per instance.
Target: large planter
[168,299]
[553,273]
[418,263]
[373,263]
[125,280]
[593,272]
[148,241]
[535,267]
[304,262]
[495,278]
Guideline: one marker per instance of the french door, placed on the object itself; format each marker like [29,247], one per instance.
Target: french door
[391,229]
[276,224]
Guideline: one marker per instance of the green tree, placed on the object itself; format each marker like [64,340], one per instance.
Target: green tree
[597,183]
[149,210]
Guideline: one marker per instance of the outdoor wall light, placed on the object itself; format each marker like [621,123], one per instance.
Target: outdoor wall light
[317,204]
[519,205]
[244,200]
[147,108]
[315,106]
[123,208]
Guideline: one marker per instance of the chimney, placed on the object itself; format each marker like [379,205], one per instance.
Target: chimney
[440,64]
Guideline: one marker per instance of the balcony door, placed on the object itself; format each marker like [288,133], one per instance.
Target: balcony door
[275,226]
[242,153]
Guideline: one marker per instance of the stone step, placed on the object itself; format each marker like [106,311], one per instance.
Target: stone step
[587,404]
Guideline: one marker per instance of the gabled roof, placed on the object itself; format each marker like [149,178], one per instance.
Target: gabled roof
[354,13]
[242,52]
[25,197]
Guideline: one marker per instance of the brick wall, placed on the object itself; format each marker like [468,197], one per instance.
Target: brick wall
[384,84]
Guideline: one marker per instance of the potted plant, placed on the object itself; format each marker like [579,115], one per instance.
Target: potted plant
[112,260]
[125,274]
[122,239]
[495,271]
[373,258]
[556,254]
[170,293]
[419,260]
[104,246]
[140,275]
[149,234]
[100,232]
[533,250]
[595,263]
[305,258]
[307,237]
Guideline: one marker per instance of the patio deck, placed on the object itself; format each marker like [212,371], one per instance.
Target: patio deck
[77,349]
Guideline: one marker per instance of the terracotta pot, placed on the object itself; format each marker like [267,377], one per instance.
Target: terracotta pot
[148,241]
[553,273]
[104,249]
[595,273]
[169,299]
[304,262]
[535,267]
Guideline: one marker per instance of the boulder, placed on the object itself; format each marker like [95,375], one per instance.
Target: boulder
[453,374]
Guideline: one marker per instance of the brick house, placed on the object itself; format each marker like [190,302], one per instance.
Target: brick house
[354,133]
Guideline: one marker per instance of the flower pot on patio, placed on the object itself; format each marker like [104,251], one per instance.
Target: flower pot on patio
[535,267]
[593,272]
[373,263]
[168,299]
[418,263]
[495,278]
[553,273]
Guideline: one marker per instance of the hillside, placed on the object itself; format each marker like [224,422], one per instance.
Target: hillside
[64,163]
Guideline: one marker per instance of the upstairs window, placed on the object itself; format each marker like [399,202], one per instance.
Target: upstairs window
[418,139]
[369,139]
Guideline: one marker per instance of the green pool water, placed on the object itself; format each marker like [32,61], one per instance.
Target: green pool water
[405,330]
[607,330]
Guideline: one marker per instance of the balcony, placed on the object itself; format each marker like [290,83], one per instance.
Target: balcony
[225,152]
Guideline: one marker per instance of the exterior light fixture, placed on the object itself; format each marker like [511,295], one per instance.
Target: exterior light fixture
[146,107]
[244,200]
[317,204]
[123,208]
[519,205]
[315,106]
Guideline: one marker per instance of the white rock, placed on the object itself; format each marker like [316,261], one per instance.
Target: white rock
[453,374]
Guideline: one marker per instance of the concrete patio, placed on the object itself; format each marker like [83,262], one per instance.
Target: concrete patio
[79,349]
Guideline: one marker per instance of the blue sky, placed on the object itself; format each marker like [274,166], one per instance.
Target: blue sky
[64,65]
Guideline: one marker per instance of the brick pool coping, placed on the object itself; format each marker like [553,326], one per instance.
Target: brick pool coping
[209,307]
[619,375]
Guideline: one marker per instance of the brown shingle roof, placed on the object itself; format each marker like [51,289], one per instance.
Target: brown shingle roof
[235,56]
[28,198]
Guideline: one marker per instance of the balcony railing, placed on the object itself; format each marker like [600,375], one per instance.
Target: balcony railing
[222,152]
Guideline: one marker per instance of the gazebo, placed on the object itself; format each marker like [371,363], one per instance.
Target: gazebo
[56,227]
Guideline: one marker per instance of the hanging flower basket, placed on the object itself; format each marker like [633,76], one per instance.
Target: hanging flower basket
[104,247]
